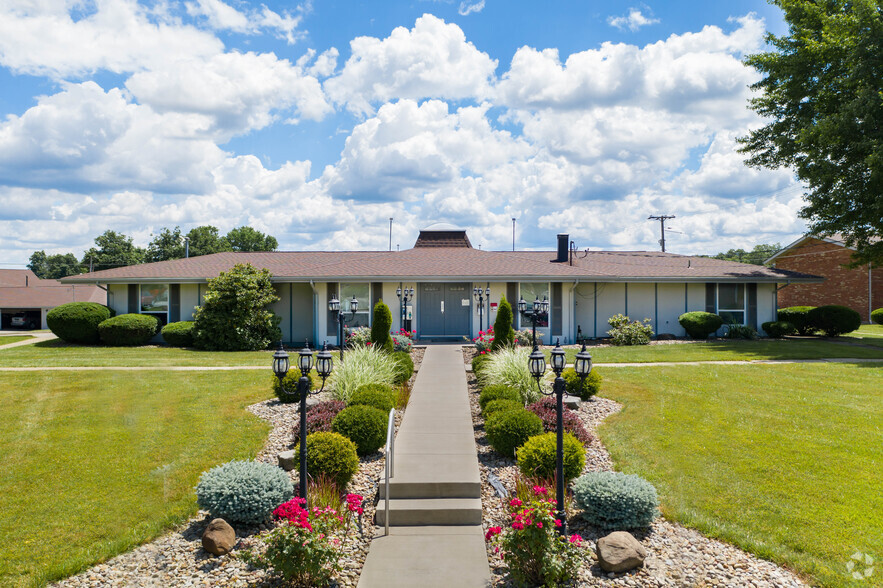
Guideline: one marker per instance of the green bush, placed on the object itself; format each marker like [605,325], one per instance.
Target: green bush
[509,366]
[615,501]
[797,316]
[500,405]
[478,363]
[778,329]
[509,429]
[504,334]
[363,425]
[243,491]
[536,458]
[405,366]
[234,314]
[362,365]
[380,327]
[625,333]
[289,382]
[877,316]
[497,392]
[178,334]
[834,320]
[128,330]
[331,455]
[737,331]
[377,395]
[77,322]
[584,389]
[699,324]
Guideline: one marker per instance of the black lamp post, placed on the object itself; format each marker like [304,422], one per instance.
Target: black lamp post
[479,295]
[537,365]
[324,365]
[334,306]
[405,296]
[540,309]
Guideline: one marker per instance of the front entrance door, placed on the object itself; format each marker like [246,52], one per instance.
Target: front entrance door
[444,310]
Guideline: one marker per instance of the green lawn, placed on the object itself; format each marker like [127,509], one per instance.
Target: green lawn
[7,339]
[727,351]
[784,461]
[867,335]
[92,464]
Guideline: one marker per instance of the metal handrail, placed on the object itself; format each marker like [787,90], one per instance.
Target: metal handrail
[389,466]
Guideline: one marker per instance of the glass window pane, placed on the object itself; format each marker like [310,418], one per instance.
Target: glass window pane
[362,292]
[530,291]
[154,297]
[731,317]
[731,296]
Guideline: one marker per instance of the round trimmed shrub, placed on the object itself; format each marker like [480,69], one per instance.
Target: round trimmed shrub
[584,389]
[405,366]
[332,455]
[834,320]
[243,491]
[615,501]
[497,392]
[500,405]
[536,458]
[699,324]
[478,363]
[376,395]
[363,425]
[797,316]
[77,322]
[509,429]
[778,329]
[127,330]
[319,417]
[289,383]
[178,334]
[877,316]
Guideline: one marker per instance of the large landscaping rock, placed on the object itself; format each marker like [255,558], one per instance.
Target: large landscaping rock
[219,537]
[287,460]
[620,552]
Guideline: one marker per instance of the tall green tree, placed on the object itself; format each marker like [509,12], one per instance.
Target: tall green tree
[166,245]
[112,250]
[53,267]
[206,239]
[250,239]
[504,333]
[821,91]
[756,256]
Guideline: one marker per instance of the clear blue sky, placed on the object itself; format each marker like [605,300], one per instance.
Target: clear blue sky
[317,122]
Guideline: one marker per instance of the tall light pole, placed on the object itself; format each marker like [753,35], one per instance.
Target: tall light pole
[539,310]
[334,306]
[405,295]
[479,295]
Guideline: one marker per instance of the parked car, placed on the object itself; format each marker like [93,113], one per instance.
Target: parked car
[22,321]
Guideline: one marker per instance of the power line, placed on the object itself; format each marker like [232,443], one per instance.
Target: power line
[661,218]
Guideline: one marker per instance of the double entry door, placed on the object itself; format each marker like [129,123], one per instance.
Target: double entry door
[444,310]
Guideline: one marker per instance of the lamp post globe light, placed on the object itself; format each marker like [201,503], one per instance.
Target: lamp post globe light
[539,310]
[537,366]
[480,296]
[334,306]
[405,296]
[324,366]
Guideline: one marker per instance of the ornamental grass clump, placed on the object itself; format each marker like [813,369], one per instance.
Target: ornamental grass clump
[508,430]
[616,501]
[531,546]
[509,367]
[243,491]
[536,457]
[546,408]
[361,366]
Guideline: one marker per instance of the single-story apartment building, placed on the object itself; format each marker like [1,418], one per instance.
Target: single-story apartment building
[584,288]
[860,288]
[25,299]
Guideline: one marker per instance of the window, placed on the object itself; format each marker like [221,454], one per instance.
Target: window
[731,303]
[362,292]
[155,301]
[530,292]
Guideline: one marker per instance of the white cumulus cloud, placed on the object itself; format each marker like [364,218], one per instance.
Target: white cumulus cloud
[633,21]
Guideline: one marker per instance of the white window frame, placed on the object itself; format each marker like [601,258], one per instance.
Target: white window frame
[157,313]
[743,310]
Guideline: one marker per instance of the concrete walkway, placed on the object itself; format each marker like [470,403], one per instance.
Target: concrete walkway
[36,338]
[436,538]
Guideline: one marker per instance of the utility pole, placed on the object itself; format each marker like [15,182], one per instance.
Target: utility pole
[661,218]
[513,234]
[390,233]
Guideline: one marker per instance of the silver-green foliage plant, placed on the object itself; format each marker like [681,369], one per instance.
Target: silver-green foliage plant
[243,491]
[360,366]
[624,332]
[508,367]
[615,501]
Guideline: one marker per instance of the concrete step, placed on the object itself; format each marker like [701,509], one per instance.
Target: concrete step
[430,511]
[466,488]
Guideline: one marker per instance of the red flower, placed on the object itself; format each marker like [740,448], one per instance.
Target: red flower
[491,532]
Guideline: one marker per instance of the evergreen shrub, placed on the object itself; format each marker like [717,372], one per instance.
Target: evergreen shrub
[615,501]
[332,455]
[877,316]
[178,334]
[497,392]
[797,316]
[623,332]
[584,389]
[509,429]
[536,458]
[77,322]
[478,363]
[380,327]
[128,330]
[500,405]
[405,366]
[504,334]
[289,383]
[377,395]
[243,491]
[834,320]
[363,425]
[700,324]
[778,329]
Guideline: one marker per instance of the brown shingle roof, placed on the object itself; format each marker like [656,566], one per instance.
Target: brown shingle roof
[447,263]
[43,293]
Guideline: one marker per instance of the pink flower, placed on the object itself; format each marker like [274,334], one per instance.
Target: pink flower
[557,522]
[539,525]
[576,539]
[491,532]
[517,526]
[515,502]
[540,490]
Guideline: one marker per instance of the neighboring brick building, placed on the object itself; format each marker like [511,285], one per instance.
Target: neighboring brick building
[860,289]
